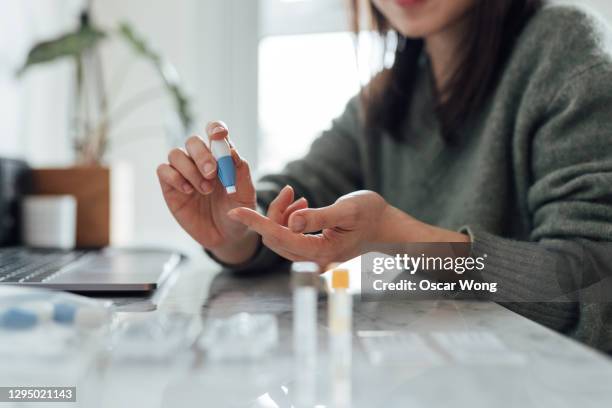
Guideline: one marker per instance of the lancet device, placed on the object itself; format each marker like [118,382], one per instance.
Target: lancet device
[226,170]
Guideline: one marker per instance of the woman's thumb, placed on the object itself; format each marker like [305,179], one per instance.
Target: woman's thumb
[243,172]
[316,219]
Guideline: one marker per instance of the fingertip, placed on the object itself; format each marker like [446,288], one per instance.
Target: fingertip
[234,214]
[206,187]
[287,191]
[240,211]
[210,169]
[187,189]
[297,223]
[216,130]
[280,199]
[194,140]
[213,124]
[219,134]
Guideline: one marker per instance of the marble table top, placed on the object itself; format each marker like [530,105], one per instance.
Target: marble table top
[405,354]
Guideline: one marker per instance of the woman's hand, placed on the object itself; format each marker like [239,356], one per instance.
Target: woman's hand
[199,202]
[355,220]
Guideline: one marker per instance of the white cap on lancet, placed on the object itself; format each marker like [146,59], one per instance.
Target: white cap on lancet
[230,189]
[220,148]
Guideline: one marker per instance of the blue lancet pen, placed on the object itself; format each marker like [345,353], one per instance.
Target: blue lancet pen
[225,164]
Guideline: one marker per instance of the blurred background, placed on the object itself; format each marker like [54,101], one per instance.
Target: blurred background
[277,71]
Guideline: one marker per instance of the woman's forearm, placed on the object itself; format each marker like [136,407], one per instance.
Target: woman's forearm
[396,227]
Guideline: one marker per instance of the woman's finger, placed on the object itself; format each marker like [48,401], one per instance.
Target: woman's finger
[182,163]
[201,155]
[268,229]
[170,179]
[341,214]
[309,250]
[277,207]
[277,236]
[217,130]
[244,184]
[258,223]
[296,206]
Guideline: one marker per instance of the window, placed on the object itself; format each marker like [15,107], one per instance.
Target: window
[307,73]
[304,82]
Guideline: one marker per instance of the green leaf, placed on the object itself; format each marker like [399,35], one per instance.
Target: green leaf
[71,44]
[166,71]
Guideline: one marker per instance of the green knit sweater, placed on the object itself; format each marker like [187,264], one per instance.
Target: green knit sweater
[531,180]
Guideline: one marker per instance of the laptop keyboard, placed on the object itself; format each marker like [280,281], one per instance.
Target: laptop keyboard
[20,265]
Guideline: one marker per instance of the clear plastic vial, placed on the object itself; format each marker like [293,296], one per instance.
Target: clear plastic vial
[340,312]
[305,279]
[341,346]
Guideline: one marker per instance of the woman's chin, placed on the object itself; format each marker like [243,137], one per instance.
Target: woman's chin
[415,30]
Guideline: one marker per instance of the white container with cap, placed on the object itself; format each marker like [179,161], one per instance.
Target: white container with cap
[49,221]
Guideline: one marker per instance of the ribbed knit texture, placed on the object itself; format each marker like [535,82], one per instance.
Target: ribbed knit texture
[530,178]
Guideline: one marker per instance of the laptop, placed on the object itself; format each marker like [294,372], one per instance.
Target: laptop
[82,271]
[107,270]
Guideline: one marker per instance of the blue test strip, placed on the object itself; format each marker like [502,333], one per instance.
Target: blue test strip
[64,313]
[18,319]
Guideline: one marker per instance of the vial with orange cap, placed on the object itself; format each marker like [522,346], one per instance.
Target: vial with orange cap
[340,317]
[340,305]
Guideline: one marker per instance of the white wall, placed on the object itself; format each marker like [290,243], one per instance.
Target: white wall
[33,111]
[141,139]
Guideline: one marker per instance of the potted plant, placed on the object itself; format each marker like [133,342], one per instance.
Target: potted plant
[89,180]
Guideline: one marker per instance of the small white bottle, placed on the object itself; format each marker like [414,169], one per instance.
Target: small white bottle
[305,279]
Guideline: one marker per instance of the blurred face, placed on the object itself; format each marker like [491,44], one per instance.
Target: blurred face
[423,18]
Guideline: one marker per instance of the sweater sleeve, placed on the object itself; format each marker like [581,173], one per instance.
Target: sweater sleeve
[331,169]
[570,204]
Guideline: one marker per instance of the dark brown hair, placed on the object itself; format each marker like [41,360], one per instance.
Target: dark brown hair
[493,27]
